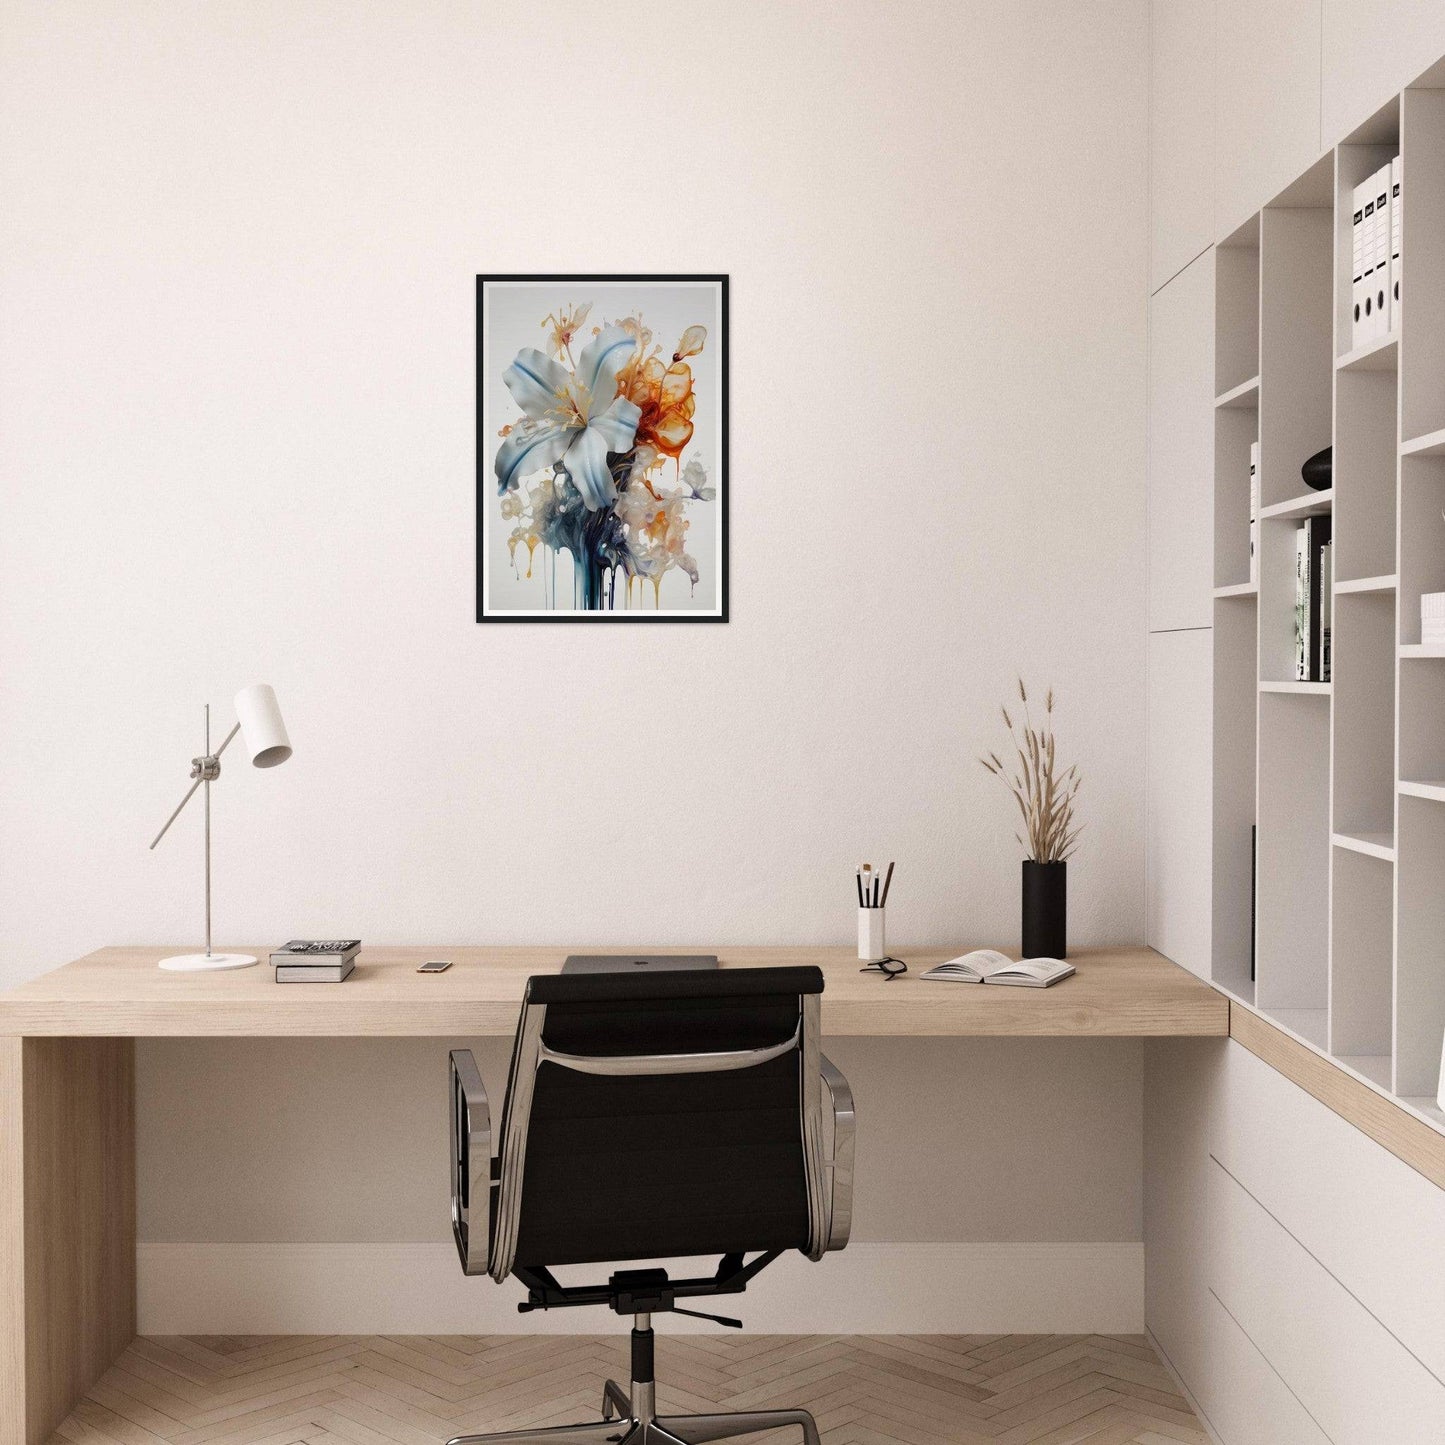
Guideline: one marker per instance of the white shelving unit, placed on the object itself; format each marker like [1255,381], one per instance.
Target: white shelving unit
[1329,797]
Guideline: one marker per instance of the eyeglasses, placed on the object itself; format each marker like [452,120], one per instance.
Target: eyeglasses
[890,968]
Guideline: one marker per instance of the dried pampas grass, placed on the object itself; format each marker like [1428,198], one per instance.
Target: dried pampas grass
[1045,797]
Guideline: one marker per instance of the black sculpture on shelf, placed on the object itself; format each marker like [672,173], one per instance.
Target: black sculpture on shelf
[1319,471]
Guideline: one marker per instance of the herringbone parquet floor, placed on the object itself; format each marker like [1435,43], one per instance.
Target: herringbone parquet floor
[420,1390]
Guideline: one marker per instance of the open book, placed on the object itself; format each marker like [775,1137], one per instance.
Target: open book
[987,965]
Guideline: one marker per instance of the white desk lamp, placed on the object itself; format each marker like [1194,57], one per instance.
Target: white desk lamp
[258,720]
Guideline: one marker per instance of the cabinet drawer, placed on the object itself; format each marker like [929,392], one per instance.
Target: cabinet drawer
[1348,1371]
[1373,1222]
[1245,1401]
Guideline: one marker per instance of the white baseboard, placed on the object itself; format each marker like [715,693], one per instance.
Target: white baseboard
[305,1289]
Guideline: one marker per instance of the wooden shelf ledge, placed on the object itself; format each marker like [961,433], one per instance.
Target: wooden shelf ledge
[1389,1121]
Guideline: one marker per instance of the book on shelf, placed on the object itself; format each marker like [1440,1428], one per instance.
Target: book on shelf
[987,965]
[1254,512]
[1310,606]
[1326,606]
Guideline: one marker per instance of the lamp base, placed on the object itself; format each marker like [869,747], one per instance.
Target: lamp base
[205,962]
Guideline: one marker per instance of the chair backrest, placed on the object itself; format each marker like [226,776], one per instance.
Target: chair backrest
[659,1115]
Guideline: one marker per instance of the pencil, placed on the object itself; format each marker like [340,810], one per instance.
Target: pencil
[887,883]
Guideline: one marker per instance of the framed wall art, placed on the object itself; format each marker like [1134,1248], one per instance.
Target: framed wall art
[602,414]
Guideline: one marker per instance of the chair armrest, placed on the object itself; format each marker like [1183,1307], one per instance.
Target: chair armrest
[840,1163]
[471,1130]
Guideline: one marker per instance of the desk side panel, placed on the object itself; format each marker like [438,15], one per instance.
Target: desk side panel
[77,1106]
[12,1244]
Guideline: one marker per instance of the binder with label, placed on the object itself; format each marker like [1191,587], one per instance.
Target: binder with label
[1357,266]
[1367,323]
[1397,225]
[1381,291]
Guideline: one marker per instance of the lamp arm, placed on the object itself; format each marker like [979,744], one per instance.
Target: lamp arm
[235,728]
[199,772]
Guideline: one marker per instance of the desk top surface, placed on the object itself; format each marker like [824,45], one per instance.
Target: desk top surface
[1117,992]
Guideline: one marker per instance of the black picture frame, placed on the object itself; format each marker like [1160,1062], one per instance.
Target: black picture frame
[485,487]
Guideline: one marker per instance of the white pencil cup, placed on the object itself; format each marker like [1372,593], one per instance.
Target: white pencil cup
[871,945]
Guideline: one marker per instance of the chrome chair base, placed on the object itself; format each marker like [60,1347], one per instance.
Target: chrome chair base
[622,1425]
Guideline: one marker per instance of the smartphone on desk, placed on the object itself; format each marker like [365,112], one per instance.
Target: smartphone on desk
[435,965]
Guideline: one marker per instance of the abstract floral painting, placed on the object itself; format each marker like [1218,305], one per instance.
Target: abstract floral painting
[601,448]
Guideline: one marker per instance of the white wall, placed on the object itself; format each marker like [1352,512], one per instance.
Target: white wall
[239,244]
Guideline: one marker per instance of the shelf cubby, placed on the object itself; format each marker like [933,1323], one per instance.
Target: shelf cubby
[1294,852]
[1362,950]
[1365,460]
[1422,720]
[1422,537]
[1235,429]
[1276,603]
[1235,749]
[1420,959]
[1296,327]
[1357,158]
[1364,722]
[1236,291]
[1422,249]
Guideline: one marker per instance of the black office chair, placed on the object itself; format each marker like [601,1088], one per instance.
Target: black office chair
[650,1117]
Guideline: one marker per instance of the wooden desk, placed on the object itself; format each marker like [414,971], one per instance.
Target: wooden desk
[1131,992]
[67,1113]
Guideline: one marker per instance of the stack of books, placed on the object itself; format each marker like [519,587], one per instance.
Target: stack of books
[315,960]
[1313,583]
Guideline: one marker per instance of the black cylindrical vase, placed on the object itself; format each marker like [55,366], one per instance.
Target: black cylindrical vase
[1045,909]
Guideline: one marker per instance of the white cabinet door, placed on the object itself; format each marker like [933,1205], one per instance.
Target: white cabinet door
[1181,135]
[1266,99]
[1372,48]
[1179,797]
[1181,450]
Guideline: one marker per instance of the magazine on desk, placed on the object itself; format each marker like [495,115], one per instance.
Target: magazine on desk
[987,965]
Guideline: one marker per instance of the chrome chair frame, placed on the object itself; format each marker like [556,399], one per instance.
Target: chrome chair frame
[629,1417]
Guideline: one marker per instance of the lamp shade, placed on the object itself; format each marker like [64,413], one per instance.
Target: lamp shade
[262,730]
